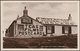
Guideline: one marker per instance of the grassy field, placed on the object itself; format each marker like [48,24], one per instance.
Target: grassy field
[43,42]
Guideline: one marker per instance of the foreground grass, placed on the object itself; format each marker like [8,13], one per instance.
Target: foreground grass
[43,42]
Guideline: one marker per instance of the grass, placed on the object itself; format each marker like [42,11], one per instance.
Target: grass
[43,42]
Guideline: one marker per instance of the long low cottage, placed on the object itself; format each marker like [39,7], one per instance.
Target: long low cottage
[27,27]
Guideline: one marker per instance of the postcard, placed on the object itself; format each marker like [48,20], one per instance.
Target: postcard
[40,25]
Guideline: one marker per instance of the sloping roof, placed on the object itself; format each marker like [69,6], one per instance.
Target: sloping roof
[30,18]
[54,21]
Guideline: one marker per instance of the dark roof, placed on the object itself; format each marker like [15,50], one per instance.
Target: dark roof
[54,21]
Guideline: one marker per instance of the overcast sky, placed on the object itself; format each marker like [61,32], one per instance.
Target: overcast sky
[10,10]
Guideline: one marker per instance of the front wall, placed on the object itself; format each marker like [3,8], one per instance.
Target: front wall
[74,30]
[37,23]
[19,21]
[58,31]
[28,32]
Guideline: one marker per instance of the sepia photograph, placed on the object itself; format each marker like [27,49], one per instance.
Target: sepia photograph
[39,25]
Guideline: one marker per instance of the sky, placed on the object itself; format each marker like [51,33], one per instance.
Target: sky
[11,10]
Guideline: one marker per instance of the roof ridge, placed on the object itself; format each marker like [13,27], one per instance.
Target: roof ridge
[50,18]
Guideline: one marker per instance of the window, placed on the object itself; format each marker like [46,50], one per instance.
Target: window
[21,33]
[49,28]
[20,27]
[66,29]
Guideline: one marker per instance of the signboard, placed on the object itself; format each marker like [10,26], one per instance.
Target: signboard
[30,29]
[26,20]
[34,30]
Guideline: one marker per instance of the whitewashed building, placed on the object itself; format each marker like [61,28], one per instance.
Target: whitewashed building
[58,27]
[27,27]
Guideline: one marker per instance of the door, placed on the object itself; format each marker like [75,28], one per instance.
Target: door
[53,29]
[69,31]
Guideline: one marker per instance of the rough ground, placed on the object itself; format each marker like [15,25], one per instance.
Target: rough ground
[43,42]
